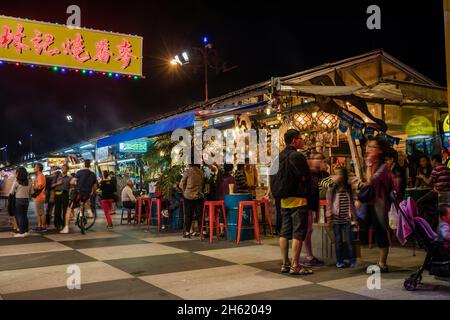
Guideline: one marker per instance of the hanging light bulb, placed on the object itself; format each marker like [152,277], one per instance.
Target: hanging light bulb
[268,111]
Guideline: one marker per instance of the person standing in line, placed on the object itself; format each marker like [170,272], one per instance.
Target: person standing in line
[62,186]
[341,212]
[292,183]
[315,165]
[22,189]
[381,181]
[39,198]
[107,197]
[192,186]
[50,195]
[12,203]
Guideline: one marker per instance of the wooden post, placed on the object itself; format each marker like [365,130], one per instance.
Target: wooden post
[355,156]
[447,45]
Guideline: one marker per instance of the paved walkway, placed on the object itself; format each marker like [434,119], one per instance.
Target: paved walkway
[129,263]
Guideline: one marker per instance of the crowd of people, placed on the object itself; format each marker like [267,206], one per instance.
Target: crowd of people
[351,202]
[296,189]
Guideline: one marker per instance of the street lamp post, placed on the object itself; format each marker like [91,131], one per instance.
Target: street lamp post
[204,53]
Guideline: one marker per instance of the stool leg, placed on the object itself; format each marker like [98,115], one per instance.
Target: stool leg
[224,213]
[239,226]
[149,216]
[139,204]
[203,222]
[158,211]
[211,223]
[256,223]
[217,222]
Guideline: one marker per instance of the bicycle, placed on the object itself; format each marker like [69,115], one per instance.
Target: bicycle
[85,221]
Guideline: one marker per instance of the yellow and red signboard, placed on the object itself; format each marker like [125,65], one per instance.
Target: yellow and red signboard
[40,43]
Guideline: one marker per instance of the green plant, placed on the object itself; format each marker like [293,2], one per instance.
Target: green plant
[159,164]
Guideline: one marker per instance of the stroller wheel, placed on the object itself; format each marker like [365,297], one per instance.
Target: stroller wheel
[410,284]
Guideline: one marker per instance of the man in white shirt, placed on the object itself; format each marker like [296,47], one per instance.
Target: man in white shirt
[128,198]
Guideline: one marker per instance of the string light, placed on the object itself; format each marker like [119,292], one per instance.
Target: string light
[82,71]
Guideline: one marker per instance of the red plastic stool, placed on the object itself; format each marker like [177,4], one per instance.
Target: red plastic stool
[254,206]
[213,218]
[139,204]
[158,203]
[266,218]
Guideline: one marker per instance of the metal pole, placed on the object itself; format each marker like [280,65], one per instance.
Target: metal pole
[205,58]
[85,122]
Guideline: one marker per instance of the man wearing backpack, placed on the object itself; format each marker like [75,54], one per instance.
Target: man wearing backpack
[292,184]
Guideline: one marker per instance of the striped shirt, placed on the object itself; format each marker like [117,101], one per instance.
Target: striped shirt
[441,178]
[344,208]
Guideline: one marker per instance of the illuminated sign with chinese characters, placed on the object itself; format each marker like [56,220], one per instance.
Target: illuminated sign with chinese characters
[41,43]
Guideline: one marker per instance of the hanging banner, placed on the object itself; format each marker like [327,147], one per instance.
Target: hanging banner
[357,129]
[46,44]
[345,122]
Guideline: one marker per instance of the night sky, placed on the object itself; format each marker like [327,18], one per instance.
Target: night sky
[263,39]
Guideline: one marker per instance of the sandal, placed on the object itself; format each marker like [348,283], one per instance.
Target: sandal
[300,271]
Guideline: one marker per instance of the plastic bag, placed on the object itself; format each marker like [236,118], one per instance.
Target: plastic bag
[393,217]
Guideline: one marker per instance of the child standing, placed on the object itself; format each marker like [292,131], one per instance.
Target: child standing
[340,211]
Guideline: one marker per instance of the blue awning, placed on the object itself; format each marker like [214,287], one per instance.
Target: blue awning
[161,127]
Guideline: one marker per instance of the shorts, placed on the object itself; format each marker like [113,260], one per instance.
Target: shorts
[81,197]
[40,208]
[294,223]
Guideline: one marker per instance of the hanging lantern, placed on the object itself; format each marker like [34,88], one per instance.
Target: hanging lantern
[302,120]
[327,120]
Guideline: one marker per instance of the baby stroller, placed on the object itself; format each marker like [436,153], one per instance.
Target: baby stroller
[437,259]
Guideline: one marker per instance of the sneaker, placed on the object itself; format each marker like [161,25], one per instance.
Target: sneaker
[314,262]
[186,235]
[65,230]
[109,227]
[340,264]
[285,268]
[353,263]
[37,229]
[20,235]
[42,230]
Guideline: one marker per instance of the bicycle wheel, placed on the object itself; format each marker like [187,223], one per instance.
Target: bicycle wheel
[90,219]
[81,220]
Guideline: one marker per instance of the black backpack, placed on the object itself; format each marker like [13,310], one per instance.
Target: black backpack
[281,183]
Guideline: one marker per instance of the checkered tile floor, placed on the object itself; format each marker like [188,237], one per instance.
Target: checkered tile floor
[130,263]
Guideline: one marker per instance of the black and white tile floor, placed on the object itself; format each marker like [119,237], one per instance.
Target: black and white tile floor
[129,263]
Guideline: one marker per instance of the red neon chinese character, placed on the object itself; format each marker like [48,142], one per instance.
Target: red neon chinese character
[17,40]
[43,42]
[6,37]
[125,53]
[75,48]
[103,52]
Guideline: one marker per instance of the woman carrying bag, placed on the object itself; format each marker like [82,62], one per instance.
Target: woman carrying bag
[376,194]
